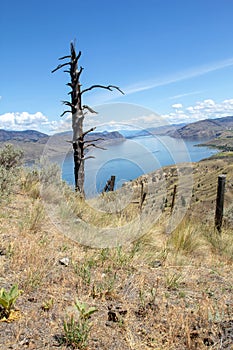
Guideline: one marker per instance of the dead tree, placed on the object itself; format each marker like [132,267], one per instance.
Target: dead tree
[78,112]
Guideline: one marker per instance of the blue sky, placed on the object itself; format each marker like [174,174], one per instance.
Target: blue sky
[172,57]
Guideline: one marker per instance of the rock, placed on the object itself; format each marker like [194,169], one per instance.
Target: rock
[64,261]
[115,314]
[2,251]
[156,264]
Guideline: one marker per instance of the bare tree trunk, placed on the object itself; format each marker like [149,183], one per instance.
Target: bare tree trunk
[77,121]
[77,110]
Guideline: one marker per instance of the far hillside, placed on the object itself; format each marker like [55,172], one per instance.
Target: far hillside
[25,136]
[34,144]
[204,129]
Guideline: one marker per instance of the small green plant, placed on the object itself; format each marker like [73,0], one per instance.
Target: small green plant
[33,218]
[77,331]
[106,287]
[153,293]
[7,300]
[47,305]
[220,244]
[142,297]
[37,216]
[173,281]
[135,249]
[104,255]
[84,270]
[33,279]
[122,257]
[10,250]
[182,294]
[185,239]
[30,182]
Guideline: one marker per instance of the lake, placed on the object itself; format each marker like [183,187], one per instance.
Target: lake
[131,158]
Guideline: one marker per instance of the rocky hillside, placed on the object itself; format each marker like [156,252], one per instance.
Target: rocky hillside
[25,136]
[204,129]
[159,291]
[223,142]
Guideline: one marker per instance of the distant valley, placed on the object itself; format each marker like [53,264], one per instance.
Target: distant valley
[201,130]
[36,144]
[216,132]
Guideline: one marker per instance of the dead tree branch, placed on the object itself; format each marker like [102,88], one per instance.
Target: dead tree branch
[64,57]
[87,132]
[60,66]
[68,111]
[89,109]
[109,87]
[95,146]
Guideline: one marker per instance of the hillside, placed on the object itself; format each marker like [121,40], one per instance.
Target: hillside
[35,144]
[204,129]
[25,136]
[223,142]
[159,130]
[151,289]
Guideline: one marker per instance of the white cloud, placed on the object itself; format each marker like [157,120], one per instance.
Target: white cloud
[179,76]
[22,121]
[19,121]
[193,72]
[177,106]
[185,94]
[207,109]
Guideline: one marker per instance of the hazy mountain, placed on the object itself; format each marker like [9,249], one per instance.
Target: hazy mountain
[35,144]
[160,130]
[26,135]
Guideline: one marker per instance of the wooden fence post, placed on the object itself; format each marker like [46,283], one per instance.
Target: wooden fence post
[220,202]
[173,198]
[110,184]
[142,196]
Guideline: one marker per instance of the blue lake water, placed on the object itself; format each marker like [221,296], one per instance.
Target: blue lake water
[131,158]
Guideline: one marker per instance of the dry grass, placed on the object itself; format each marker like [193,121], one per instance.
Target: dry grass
[161,292]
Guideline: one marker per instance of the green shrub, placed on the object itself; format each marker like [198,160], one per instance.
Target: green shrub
[5,179]
[221,244]
[10,157]
[7,300]
[77,332]
[185,239]
[49,173]
[10,160]
[30,182]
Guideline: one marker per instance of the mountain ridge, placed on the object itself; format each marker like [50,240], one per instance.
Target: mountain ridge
[203,129]
[24,135]
[34,144]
